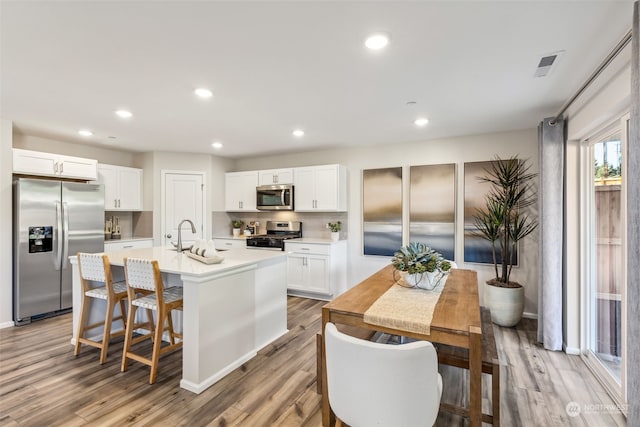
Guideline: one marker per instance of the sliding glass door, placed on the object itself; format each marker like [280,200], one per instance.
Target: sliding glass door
[605,256]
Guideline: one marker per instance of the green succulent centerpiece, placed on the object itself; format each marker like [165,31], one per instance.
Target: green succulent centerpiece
[422,266]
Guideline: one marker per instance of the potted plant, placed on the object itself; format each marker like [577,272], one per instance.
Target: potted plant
[421,266]
[335,228]
[504,222]
[237,225]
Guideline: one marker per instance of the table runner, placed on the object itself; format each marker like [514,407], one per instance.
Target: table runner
[405,308]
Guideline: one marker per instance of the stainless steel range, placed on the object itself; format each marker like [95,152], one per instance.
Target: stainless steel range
[277,233]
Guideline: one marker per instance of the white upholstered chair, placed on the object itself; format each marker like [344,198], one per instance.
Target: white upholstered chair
[96,268]
[146,290]
[373,384]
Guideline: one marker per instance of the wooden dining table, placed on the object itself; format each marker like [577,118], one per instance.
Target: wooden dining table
[456,321]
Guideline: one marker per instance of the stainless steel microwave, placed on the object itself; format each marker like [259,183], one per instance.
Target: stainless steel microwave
[277,197]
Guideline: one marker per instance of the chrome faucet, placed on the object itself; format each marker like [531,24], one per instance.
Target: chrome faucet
[193,230]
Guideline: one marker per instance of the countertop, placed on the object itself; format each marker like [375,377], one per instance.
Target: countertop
[171,261]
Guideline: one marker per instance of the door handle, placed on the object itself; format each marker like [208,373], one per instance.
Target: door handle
[168,236]
[65,233]
[58,244]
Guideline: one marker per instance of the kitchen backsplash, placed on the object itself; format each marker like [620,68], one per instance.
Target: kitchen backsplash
[132,224]
[314,224]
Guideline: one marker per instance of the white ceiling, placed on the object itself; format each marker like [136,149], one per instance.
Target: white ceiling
[276,66]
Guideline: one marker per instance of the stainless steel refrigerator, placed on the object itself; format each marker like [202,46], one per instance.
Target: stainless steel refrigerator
[52,220]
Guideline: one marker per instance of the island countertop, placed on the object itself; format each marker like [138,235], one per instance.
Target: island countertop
[171,261]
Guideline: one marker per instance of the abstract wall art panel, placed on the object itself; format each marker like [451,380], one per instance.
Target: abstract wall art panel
[432,210]
[382,211]
[476,248]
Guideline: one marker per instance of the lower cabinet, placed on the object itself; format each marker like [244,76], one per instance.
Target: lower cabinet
[222,243]
[316,270]
[120,245]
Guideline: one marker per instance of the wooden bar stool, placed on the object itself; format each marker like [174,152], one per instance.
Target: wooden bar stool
[96,268]
[146,290]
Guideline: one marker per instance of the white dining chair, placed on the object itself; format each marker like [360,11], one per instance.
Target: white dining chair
[373,384]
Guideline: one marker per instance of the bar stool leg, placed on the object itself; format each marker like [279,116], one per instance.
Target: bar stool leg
[84,312]
[128,336]
[157,344]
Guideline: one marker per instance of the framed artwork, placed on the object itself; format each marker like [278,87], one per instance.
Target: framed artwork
[432,211]
[477,249]
[382,211]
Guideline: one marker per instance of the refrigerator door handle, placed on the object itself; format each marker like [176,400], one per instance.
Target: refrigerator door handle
[65,234]
[58,238]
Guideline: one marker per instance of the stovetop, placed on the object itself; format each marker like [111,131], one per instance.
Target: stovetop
[277,233]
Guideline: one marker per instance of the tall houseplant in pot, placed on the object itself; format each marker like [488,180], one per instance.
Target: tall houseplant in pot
[504,222]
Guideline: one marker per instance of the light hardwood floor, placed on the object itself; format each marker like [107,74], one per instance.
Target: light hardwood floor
[42,383]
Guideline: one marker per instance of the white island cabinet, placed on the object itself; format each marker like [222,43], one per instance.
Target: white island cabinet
[231,310]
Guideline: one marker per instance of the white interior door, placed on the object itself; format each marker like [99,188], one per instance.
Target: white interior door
[183,199]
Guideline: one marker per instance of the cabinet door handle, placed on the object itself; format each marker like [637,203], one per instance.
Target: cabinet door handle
[228,244]
[61,167]
[127,246]
[304,249]
[55,167]
[115,203]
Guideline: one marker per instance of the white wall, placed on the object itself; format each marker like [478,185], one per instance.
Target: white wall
[605,101]
[6,223]
[453,150]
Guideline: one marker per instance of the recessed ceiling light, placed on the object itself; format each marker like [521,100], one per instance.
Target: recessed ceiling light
[421,121]
[124,114]
[203,92]
[298,133]
[85,132]
[217,145]
[377,41]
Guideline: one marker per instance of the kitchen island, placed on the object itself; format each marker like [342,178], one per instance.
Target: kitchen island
[231,310]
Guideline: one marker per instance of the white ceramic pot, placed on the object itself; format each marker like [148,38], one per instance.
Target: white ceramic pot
[335,236]
[428,281]
[236,232]
[506,304]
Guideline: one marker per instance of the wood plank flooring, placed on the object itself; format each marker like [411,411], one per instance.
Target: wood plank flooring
[42,383]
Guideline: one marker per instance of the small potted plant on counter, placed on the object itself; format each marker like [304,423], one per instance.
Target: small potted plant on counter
[335,230]
[420,265]
[237,225]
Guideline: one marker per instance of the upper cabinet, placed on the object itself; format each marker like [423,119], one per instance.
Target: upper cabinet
[320,188]
[276,176]
[29,162]
[240,191]
[122,187]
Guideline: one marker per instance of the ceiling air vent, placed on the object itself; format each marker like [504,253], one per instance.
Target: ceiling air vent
[547,62]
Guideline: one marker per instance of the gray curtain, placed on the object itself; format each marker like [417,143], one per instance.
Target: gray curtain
[632,178]
[551,146]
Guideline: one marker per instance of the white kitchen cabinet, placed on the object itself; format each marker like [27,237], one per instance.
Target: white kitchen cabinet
[316,270]
[276,176]
[120,245]
[29,162]
[240,191]
[320,188]
[222,243]
[122,187]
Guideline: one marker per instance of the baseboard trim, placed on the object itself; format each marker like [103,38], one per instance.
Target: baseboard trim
[6,325]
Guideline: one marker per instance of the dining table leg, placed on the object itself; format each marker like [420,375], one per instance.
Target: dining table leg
[475,376]
[326,409]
